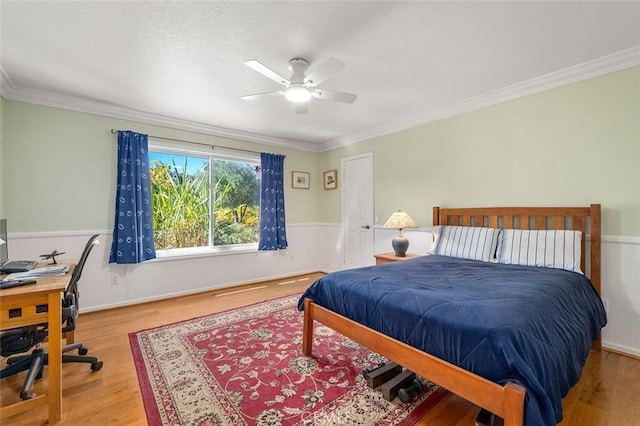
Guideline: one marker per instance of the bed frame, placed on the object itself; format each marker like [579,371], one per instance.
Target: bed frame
[505,401]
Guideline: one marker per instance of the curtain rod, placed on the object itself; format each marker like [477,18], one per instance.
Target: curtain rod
[115,131]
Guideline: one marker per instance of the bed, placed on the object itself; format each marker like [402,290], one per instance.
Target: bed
[505,335]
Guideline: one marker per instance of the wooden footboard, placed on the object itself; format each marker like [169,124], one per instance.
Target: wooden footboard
[504,401]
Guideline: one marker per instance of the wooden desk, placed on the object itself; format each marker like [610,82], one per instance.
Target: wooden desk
[20,306]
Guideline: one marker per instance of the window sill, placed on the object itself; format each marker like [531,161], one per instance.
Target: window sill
[197,252]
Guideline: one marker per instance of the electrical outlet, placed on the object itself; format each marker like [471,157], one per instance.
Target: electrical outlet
[115,280]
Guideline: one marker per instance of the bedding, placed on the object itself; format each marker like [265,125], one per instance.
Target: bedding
[507,323]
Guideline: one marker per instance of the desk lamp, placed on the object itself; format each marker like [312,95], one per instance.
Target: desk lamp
[400,220]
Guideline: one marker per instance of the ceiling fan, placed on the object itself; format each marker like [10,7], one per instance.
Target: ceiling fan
[300,88]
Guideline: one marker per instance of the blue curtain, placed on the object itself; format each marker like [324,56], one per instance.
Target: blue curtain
[273,230]
[133,228]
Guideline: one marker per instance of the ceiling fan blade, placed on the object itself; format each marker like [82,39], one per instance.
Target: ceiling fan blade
[262,95]
[266,71]
[332,95]
[301,109]
[323,71]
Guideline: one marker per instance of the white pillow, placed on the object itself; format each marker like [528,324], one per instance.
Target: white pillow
[546,248]
[466,242]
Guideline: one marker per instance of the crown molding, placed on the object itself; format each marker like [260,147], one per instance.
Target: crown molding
[6,85]
[9,91]
[595,68]
[584,71]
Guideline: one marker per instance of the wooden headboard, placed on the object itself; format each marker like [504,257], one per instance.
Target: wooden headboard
[577,218]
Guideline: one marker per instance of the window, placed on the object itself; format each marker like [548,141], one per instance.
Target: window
[202,199]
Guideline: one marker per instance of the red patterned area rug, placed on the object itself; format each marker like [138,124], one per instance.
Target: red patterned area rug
[245,367]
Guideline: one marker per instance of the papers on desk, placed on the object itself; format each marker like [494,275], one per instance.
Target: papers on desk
[47,271]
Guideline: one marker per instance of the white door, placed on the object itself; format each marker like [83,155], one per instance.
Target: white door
[357,210]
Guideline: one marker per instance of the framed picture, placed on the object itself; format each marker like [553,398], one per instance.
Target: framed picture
[300,180]
[330,179]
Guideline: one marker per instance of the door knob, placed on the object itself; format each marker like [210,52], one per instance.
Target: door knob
[365,226]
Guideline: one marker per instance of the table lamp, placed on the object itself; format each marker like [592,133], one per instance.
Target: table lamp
[400,220]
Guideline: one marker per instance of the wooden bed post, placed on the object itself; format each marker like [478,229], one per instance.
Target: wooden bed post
[436,215]
[596,235]
[513,404]
[307,328]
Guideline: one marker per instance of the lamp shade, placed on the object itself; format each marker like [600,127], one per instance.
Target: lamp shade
[400,220]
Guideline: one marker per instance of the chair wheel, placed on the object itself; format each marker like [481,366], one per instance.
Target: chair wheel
[83,351]
[95,366]
[24,395]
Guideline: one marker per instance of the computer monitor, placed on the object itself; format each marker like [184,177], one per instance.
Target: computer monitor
[4,252]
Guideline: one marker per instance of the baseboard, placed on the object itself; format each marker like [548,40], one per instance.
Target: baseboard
[177,294]
[621,350]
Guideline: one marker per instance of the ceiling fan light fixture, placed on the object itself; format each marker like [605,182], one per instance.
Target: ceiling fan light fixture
[300,88]
[298,94]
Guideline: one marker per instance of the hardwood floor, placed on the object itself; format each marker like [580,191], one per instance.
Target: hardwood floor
[608,392]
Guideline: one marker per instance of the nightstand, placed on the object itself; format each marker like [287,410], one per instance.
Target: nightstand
[391,257]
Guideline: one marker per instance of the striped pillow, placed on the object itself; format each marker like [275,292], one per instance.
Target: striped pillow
[549,249]
[466,242]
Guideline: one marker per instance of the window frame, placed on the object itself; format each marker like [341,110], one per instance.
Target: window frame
[212,153]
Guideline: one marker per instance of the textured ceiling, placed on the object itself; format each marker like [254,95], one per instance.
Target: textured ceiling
[181,63]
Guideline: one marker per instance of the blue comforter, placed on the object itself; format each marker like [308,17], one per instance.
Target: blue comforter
[507,323]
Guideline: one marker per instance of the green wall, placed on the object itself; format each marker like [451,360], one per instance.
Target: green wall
[58,168]
[575,145]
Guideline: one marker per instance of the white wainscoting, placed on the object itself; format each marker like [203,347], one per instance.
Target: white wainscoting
[621,292]
[105,285]
[331,233]
[312,247]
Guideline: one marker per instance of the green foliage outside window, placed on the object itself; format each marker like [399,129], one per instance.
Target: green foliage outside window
[181,201]
[237,203]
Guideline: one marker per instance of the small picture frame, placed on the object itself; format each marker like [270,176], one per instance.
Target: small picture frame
[330,179]
[300,180]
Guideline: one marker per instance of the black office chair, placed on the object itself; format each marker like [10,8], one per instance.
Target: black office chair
[20,340]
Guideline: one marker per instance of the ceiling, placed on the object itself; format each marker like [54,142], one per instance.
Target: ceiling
[180,64]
